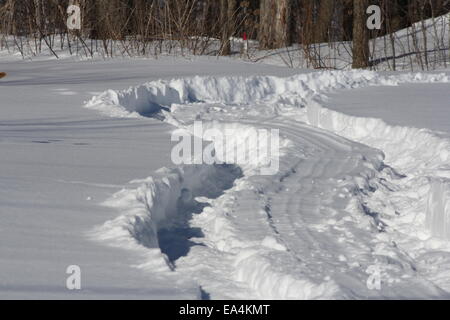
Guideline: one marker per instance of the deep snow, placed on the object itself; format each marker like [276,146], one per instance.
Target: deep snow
[353,193]
[423,106]
[334,210]
[59,161]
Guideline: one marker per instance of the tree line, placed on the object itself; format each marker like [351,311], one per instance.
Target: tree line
[146,27]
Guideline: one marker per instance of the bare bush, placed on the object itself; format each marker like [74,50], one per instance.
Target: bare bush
[314,33]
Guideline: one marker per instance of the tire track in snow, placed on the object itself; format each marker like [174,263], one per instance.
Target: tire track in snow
[407,202]
[301,199]
[317,240]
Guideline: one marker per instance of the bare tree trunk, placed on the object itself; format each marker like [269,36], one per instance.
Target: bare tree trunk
[325,15]
[361,51]
[38,14]
[283,23]
[264,34]
[275,22]
[227,13]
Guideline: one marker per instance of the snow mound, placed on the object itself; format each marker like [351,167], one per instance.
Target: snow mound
[149,98]
[438,208]
[425,151]
[423,157]
[163,201]
[249,223]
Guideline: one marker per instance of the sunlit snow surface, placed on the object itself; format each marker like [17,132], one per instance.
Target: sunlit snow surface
[60,161]
[353,192]
[335,210]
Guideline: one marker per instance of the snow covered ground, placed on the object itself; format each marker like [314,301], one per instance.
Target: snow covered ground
[415,49]
[408,105]
[335,210]
[59,161]
[362,192]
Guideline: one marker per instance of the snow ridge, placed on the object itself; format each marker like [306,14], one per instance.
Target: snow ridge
[254,238]
[422,156]
[150,97]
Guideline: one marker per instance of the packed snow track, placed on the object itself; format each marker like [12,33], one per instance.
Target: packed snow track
[352,195]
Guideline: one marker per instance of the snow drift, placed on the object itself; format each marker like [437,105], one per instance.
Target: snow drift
[423,157]
[160,202]
[261,102]
[151,97]
[424,151]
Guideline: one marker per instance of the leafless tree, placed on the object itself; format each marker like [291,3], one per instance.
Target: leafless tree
[275,23]
[361,50]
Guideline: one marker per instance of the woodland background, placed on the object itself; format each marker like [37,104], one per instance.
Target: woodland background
[205,27]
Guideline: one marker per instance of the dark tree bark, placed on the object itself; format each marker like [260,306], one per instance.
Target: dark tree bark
[283,23]
[264,25]
[325,15]
[38,6]
[275,22]
[227,13]
[361,51]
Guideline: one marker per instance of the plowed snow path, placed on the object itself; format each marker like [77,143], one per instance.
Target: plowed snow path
[317,227]
[58,161]
[304,233]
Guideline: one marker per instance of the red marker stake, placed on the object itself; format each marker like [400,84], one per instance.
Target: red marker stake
[245,44]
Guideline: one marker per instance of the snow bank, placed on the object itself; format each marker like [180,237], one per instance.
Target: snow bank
[151,97]
[438,208]
[422,150]
[254,153]
[415,150]
[151,206]
[422,156]
[255,267]
[158,203]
